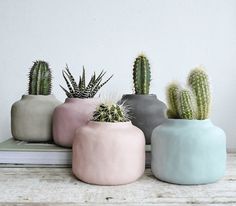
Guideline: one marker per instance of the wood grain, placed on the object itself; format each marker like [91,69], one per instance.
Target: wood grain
[57,186]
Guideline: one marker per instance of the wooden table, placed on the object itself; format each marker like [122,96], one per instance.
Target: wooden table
[57,187]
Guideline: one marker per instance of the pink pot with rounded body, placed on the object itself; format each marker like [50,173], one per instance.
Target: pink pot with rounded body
[108,153]
[69,116]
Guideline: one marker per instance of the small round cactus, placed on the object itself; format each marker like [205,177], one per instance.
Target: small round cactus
[141,75]
[40,79]
[110,113]
[199,83]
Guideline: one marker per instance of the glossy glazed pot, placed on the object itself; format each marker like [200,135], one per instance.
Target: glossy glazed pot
[31,118]
[146,112]
[108,153]
[69,116]
[188,152]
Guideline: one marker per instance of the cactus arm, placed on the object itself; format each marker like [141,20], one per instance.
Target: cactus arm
[186,105]
[199,83]
[172,100]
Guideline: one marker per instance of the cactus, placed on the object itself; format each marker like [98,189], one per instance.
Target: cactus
[110,113]
[40,79]
[186,105]
[199,83]
[172,100]
[141,75]
[81,90]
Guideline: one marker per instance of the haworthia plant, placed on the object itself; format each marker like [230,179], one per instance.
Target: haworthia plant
[81,90]
[187,108]
[172,100]
[110,113]
[198,81]
[40,79]
[193,103]
[141,75]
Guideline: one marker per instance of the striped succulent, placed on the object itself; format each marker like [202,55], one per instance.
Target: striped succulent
[81,90]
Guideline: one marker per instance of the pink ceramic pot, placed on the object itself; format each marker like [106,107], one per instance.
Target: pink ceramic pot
[69,116]
[108,153]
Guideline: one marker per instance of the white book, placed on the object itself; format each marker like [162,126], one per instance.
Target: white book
[15,153]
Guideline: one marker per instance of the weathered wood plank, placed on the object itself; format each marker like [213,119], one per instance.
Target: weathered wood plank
[57,186]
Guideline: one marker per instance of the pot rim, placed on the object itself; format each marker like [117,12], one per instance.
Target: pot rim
[32,96]
[141,95]
[113,124]
[75,99]
[188,121]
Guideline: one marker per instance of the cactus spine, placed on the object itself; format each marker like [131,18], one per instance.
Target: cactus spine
[199,83]
[186,105]
[193,103]
[110,113]
[172,99]
[40,79]
[141,75]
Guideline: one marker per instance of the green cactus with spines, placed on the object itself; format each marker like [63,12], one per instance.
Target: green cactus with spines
[172,100]
[186,105]
[199,83]
[40,79]
[141,75]
[110,113]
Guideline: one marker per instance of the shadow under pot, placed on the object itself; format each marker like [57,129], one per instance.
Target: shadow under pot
[188,152]
[145,111]
[106,153]
[74,113]
[31,118]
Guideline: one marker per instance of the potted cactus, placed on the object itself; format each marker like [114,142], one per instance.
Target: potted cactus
[188,148]
[146,110]
[31,117]
[109,150]
[78,107]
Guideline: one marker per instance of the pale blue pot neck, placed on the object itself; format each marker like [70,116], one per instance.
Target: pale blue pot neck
[181,122]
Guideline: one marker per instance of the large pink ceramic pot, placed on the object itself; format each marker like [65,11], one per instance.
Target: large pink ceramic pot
[69,116]
[108,153]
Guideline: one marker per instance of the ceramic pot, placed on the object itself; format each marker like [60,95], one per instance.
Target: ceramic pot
[146,112]
[73,114]
[188,152]
[31,118]
[108,153]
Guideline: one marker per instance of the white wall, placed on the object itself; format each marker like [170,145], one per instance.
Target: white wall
[176,35]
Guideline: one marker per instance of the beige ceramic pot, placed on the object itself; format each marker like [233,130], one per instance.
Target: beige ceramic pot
[108,153]
[31,118]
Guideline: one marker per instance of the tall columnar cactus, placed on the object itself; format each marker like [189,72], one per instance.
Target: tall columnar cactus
[172,100]
[141,75]
[186,105]
[199,83]
[110,113]
[40,79]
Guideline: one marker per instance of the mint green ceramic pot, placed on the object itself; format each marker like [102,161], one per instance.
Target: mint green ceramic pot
[188,152]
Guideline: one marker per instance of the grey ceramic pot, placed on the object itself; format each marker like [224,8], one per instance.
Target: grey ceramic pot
[146,112]
[31,118]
